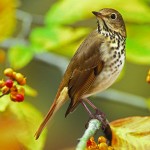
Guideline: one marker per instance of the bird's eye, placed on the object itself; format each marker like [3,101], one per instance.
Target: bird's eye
[113,16]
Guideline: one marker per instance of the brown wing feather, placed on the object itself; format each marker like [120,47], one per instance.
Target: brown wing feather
[82,56]
[79,87]
[87,65]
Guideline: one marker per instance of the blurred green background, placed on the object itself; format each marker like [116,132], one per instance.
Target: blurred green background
[43,37]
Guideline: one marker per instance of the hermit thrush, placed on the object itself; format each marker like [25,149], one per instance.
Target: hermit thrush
[96,64]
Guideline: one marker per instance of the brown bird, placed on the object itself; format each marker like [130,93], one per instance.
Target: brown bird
[95,66]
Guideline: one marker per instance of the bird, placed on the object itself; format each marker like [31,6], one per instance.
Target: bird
[95,65]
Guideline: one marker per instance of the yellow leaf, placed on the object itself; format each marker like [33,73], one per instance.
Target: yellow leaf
[7,17]
[132,133]
[18,125]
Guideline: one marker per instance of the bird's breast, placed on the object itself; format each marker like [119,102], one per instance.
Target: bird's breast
[113,55]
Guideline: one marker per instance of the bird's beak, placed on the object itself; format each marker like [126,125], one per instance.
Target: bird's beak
[97,14]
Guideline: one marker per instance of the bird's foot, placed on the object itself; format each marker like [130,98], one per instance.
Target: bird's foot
[99,115]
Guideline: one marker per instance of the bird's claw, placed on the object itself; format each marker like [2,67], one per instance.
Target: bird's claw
[99,115]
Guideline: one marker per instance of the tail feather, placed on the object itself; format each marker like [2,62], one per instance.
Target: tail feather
[71,108]
[58,102]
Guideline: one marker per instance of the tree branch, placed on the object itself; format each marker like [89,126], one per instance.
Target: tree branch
[93,126]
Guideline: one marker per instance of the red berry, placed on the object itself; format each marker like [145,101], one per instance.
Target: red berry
[9,83]
[89,143]
[19,97]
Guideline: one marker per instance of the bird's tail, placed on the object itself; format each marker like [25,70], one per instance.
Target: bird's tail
[58,102]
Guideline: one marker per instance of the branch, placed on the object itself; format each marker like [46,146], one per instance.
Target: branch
[27,20]
[93,126]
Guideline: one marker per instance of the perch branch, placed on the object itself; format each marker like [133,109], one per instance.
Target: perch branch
[93,126]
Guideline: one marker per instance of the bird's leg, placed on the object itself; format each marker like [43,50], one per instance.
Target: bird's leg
[87,109]
[98,111]
[100,116]
[91,104]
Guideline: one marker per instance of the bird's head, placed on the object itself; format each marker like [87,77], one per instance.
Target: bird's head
[110,20]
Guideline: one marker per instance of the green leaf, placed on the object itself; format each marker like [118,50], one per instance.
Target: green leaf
[67,50]
[137,14]
[4,102]
[138,47]
[56,38]
[64,40]
[70,11]
[30,91]
[19,56]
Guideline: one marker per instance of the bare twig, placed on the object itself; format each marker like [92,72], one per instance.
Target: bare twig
[27,20]
[93,126]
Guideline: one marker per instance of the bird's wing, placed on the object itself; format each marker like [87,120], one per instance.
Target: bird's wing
[85,66]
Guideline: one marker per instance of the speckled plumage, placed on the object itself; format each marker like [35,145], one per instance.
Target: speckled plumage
[112,53]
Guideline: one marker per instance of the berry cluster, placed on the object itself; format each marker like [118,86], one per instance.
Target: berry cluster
[100,145]
[13,85]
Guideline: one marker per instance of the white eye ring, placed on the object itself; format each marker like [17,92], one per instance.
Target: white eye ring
[113,16]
